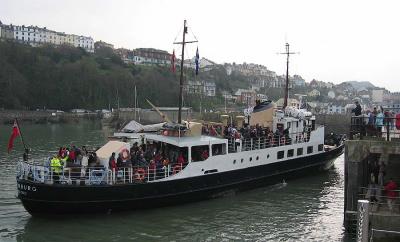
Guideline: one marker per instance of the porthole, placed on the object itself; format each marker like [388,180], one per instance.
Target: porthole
[251,158]
[257,158]
[234,161]
[241,160]
[268,156]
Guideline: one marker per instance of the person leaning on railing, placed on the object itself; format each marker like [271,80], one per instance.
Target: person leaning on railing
[357,109]
[56,166]
[379,123]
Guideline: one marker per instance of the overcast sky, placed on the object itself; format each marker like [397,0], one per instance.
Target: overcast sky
[338,40]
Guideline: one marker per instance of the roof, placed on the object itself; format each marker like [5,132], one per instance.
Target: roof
[172,108]
[111,146]
[186,141]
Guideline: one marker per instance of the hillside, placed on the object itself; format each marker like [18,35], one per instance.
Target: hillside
[361,84]
[65,77]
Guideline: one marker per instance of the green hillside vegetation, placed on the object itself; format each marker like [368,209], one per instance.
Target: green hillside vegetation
[65,77]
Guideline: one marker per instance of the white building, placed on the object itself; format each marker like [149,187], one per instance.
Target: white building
[36,36]
[314,93]
[335,109]
[204,64]
[201,87]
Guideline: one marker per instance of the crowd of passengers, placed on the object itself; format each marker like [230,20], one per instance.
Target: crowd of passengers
[247,132]
[152,156]
[153,159]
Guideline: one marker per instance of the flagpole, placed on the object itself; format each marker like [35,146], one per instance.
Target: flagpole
[20,134]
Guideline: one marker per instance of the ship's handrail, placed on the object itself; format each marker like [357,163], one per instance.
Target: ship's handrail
[382,128]
[85,175]
[257,143]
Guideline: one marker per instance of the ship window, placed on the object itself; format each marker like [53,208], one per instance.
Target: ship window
[200,153]
[297,124]
[218,149]
[309,149]
[241,160]
[234,161]
[281,154]
[267,156]
[257,158]
[320,147]
[290,153]
[251,158]
[299,151]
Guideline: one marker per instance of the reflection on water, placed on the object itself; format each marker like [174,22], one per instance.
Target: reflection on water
[306,209]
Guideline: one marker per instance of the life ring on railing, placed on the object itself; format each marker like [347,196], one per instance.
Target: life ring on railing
[125,154]
[176,169]
[139,174]
[283,140]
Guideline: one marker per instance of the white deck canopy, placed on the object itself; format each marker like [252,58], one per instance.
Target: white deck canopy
[186,141]
[104,153]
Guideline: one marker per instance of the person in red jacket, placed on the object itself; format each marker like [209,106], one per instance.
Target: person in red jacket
[181,159]
[112,165]
[391,193]
[204,155]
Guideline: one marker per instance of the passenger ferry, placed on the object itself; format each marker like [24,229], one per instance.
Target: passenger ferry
[231,164]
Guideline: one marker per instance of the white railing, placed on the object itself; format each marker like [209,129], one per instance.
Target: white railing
[267,142]
[85,175]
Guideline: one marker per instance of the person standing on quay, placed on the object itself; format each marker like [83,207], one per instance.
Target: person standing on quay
[379,123]
[391,193]
[357,109]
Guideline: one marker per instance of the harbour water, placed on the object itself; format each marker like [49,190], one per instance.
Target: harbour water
[305,209]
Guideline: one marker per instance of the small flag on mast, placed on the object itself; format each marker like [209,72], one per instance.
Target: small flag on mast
[15,133]
[197,60]
[173,68]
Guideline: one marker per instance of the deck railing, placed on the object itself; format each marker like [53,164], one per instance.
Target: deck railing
[85,175]
[386,128]
[258,143]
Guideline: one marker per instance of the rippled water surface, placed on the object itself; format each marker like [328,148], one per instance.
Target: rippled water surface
[305,209]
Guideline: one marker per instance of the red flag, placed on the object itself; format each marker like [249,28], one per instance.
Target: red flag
[173,68]
[14,134]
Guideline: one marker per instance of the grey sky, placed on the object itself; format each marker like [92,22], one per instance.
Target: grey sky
[338,40]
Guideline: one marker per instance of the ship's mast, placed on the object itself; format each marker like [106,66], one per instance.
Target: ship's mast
[181,75]
[287,53]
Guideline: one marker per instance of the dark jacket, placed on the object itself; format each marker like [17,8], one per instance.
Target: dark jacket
[357,110]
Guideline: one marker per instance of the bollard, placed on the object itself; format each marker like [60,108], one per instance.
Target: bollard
[362,221]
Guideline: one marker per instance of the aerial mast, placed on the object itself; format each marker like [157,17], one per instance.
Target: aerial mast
[287,53]
[181,74]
